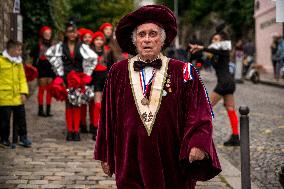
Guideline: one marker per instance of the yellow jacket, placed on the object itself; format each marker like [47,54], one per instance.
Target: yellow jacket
[13,82]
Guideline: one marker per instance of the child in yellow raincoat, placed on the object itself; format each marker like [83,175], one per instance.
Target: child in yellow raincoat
[13,92]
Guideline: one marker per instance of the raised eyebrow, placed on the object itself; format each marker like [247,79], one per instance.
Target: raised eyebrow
[151,30]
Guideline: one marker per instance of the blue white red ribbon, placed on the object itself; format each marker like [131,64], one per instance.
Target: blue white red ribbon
[187,75]
[187,72]
[145,85]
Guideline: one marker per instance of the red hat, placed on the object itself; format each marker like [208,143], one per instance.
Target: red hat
[80,31]
[157,14]
[84,31]
[98,34]
[104,25]
[43,29]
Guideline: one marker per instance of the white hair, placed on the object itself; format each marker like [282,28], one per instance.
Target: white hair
[162,32]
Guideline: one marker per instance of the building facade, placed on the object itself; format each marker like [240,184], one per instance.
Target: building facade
[265,27]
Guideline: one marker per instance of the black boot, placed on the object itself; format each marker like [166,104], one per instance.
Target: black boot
[5,144]
[40,111]
[83,128]
[25,142]
[94,133]
[69,136]
[233,141]
[76,137]
[48,114]
[91,128]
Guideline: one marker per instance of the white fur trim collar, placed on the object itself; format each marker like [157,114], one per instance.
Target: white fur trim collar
[17,59]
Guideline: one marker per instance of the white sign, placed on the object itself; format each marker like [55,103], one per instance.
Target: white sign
[17,6]
[280,11]
[19,28]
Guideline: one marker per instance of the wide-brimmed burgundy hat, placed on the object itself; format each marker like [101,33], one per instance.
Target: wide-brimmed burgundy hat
[157,14]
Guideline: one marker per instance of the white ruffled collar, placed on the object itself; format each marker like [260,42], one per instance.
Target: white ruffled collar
[17,59]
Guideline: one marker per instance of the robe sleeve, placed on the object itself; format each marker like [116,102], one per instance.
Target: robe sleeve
[197,131]
[104,148]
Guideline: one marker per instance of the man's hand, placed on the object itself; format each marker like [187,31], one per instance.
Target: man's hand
[23,98]
[194,48]
[106,168]
[196,154]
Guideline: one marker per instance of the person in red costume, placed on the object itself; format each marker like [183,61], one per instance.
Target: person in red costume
[73,62]
[45,73]
[99,76]
[107,29]
[115,54]
[155,129]
[86,36]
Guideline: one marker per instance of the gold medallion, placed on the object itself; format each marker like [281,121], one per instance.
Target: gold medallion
[145,101]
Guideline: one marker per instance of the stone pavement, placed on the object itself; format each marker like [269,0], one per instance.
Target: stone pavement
[268,79]
[266,129]
[54,163]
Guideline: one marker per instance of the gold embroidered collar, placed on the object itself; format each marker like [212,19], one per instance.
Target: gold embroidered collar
[148,112]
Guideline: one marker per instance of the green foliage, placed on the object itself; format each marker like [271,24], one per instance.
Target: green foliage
[55,13]
[60,12]
[238,14]
[35,14]
[93,13]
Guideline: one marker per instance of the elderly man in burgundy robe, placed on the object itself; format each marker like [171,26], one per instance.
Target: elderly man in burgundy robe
[156,121]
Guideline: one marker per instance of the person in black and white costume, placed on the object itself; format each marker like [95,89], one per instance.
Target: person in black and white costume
[219,51]
[69,56]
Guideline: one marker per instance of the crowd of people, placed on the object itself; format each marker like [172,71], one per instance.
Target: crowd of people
[92,54]
[148,109]
[73,70]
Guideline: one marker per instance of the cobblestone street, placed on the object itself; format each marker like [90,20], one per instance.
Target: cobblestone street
[266,105]
[54,163]
[68,50]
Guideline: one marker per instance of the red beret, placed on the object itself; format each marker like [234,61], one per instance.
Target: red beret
[157,14]
[84,31]
[104,25]
[81,31]
[98,34]
[43,29]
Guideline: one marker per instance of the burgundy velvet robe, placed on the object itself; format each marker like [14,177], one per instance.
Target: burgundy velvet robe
[158,161]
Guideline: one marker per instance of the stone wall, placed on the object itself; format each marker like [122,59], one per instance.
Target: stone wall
[6,7]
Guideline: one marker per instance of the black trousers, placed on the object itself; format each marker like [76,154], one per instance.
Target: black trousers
[19,122]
